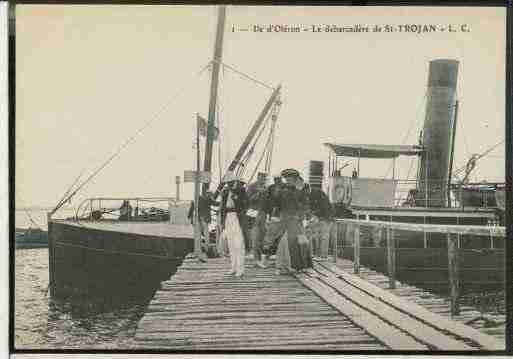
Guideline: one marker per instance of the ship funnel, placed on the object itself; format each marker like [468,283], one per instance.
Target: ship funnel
[435,161]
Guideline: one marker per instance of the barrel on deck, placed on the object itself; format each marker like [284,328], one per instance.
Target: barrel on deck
[437,134]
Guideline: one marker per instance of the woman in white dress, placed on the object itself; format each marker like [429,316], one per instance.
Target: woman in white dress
[233,206]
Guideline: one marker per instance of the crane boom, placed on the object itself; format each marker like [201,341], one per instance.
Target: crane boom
[251,134]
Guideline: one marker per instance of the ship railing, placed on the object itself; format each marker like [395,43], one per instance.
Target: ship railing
[454,261]
[139,209]
[439,194]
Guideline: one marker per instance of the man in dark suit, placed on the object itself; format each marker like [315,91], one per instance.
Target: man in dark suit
[205,217]
[256,215]
[321,221]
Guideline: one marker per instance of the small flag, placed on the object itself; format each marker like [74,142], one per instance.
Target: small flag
[202,127]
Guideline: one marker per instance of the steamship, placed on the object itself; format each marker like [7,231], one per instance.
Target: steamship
[433,197]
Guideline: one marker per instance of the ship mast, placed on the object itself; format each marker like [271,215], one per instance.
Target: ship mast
[216,64]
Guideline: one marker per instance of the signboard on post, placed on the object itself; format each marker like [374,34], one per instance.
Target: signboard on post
[190,176]
[202,128]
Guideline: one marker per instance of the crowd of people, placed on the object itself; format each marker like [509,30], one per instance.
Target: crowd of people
[287,220]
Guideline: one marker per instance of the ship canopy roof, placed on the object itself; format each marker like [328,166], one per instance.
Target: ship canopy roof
[374,151]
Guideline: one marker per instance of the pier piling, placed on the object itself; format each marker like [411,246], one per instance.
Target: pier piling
[357,249]
[454,272]
[391,257]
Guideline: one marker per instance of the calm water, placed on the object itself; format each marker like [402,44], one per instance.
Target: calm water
[43,323]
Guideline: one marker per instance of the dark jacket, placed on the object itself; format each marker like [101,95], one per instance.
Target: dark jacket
[270,200]
[292,202]
[240,201]
[254,192]
[204,210]
[190,215]
[320,205]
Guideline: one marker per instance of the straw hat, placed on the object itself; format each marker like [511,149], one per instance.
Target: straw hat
[230,177]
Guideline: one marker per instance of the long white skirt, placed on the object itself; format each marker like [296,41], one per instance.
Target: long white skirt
[232,234]
[222,245]
[283,254]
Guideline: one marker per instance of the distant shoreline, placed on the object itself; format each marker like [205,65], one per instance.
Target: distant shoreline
[38,208]
[33,208]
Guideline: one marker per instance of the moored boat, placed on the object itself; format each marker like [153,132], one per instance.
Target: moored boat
[31,238]
[434,197]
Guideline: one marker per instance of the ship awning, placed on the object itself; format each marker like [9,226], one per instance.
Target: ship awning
[374,151]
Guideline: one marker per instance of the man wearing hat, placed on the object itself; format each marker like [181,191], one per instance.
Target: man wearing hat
[272,230]
[292,204]
[256,215]
[233,208]
[205,216]
[320,224]
[254,189]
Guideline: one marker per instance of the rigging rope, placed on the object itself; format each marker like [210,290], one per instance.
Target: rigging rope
[64,197]
[29,215]
[414,121]
[248,77]
[268,148]
[243,163]
[409,169]
[464,139]
[264,152]
[269,156]
[132,138]
[477,157]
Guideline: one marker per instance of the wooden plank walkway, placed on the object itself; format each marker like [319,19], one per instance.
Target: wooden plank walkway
[433,302]
[203,308]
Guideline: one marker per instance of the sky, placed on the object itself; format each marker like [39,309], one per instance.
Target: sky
[89,77]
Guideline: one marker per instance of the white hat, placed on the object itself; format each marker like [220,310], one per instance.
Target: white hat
[230,177]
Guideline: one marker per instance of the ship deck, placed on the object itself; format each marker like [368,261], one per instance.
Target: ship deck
[150,229]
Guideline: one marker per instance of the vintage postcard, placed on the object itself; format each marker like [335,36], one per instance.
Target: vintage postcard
[260,178]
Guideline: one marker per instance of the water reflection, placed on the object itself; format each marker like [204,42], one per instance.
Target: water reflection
[81,325]
[42,322]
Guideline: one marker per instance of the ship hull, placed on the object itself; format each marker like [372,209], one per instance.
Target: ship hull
[108,261]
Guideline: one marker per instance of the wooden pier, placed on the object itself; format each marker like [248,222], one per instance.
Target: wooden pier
[491,324]
[203,308]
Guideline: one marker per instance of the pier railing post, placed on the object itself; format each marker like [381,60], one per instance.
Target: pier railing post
[454,278]
[357,249]
[391,257]
[425,235]
[334,232]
